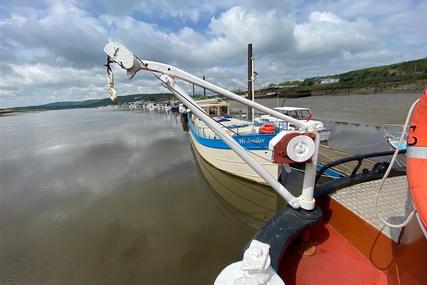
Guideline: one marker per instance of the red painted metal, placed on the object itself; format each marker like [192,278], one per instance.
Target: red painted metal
[416,166]
[336,261]
[280,154]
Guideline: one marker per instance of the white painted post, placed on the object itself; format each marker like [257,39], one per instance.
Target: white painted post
[306,199]
[253,269]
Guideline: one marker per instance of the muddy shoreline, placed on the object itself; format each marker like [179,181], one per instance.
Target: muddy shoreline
[369,109]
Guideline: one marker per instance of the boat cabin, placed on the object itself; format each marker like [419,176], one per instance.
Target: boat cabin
[295,112]
[215,107]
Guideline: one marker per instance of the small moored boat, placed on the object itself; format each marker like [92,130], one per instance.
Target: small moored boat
[392,133]
[303,114]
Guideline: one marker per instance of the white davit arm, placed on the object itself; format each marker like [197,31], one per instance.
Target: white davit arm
[120,54]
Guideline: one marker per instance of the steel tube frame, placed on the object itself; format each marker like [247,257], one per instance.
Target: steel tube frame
[133,64]
[178,73]
[229,140]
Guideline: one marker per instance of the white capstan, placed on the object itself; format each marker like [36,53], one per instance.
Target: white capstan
[253,269]
[300,148]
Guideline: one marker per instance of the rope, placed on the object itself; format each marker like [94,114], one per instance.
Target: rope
[411,215]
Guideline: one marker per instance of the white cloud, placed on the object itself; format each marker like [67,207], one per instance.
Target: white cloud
[53,50]
[234,29]
[184,9]
[326,33]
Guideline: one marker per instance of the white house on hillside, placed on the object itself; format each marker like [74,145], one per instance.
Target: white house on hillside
[329,81]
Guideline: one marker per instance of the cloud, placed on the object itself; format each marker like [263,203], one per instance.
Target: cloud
[53,50]
[326,33]
[234,29]
[155,9]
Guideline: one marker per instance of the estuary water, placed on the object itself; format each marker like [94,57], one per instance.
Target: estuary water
[117,197]
[107,197]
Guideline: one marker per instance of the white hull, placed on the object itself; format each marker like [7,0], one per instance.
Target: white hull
[228,161]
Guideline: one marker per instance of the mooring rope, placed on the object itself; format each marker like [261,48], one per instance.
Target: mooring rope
[387,173]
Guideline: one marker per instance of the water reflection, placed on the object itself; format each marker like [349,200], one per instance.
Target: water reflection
[107,197]
[113,197]
[239,198]
[356,138]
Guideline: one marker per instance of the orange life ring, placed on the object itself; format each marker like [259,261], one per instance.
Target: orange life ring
[416,158]
[267,129]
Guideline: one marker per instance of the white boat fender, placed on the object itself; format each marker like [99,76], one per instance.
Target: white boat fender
[253,269]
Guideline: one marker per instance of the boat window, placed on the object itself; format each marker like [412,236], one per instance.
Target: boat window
[213,111]
[305,114]
[223,110]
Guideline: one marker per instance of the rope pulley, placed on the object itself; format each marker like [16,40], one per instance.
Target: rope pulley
[112,93]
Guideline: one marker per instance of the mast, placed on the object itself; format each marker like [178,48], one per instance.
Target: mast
[204,89]
[250,82]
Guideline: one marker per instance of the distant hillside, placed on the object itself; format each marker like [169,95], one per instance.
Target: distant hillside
[97,102]
[404,71]
[409,76]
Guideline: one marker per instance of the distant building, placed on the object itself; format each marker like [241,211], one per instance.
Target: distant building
[329,81]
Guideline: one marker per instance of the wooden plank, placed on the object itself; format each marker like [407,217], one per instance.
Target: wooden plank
[328,154]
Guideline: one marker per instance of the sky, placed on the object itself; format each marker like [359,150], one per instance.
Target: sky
[53,50]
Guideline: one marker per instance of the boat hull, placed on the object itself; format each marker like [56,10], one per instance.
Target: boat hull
[228,161]
[252,203]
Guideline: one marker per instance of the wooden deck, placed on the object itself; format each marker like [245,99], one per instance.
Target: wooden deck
[328,154]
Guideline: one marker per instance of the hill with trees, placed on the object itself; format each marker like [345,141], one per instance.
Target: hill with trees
[409,76]
[94,103]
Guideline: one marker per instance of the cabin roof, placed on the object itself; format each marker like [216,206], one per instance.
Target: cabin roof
[218,104]
[291,109]
[211,100]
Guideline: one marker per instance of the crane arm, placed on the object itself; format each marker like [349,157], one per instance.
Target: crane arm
[120,54]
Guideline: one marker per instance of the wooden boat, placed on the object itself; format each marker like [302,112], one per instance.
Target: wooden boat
[252,137]
[215,151]
[251,203]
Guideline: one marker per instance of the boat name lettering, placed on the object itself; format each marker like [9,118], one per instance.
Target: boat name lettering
[257,140]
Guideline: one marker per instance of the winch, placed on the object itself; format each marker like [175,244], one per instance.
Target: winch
[292,147]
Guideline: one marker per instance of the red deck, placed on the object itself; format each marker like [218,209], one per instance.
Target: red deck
[336,261]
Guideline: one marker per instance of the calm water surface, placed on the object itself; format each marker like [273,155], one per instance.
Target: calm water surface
[116,197]
[107,197]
